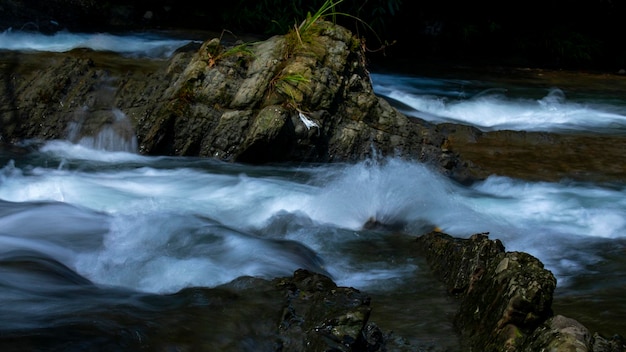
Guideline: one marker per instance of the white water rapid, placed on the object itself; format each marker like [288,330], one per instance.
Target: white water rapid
[161,224]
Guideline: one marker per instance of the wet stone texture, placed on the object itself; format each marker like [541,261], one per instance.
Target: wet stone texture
[269,101]
[327,316]
[505,298]
[305,312]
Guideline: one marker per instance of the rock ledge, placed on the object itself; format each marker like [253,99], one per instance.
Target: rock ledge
[505,298]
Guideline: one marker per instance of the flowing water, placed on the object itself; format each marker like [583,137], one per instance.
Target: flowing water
[85,225]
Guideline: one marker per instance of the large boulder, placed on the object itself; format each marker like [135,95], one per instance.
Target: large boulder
[296,97]
[505,298]
[283,100]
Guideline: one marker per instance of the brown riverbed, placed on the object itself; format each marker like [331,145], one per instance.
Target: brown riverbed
[539,156]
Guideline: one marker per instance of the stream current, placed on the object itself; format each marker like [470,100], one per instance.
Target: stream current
[135,226]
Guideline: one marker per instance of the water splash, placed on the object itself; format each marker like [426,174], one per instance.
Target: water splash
[157,207]
[392,192]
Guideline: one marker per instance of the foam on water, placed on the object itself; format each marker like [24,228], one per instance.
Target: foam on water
[579,209]
[497,108]
[160,224]
[135,45]
[560,223]
[65,149]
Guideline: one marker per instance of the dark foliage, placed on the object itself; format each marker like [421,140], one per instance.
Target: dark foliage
[547,33]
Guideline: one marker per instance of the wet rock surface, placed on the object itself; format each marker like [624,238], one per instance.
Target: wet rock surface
[505,298]
[305,312]
[271,101]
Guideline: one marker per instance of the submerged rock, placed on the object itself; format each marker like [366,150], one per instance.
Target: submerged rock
[305,312]
[319,316]
[537,156]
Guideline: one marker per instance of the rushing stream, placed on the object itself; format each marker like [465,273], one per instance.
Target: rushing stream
[135,225]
